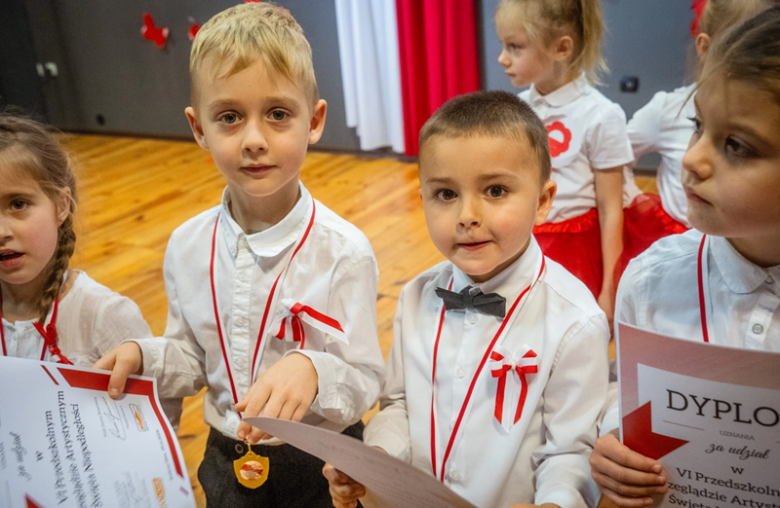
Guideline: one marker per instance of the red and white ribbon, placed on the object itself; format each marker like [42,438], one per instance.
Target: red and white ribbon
[295,314]
[503,365]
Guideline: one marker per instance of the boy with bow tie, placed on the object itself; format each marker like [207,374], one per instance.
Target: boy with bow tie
[498,369]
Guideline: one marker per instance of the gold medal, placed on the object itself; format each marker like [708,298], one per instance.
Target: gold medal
[251,469]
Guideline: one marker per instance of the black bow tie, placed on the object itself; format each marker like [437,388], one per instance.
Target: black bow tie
[493,303]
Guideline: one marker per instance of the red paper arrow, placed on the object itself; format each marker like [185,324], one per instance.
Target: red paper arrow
[152,33]
[698,10]
[639,436]
[31,503]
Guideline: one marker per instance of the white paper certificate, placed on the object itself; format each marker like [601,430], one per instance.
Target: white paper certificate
[709,414]
[390,483]
[65,443]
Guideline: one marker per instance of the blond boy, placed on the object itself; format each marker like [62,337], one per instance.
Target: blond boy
[271,295]
[498,369]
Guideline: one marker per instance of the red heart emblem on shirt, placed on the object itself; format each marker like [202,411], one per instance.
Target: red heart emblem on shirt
[558,147]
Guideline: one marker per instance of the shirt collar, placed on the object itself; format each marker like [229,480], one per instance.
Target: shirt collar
[740,275]
[560,97]
[273,240]
[511,281]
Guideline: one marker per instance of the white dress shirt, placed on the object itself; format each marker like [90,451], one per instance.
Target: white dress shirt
[659,292]
[91,321]
[544,457]
[334,272]
[598,140]
[662,126]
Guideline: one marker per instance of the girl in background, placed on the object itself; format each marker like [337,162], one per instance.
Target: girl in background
[728,272]
[555,47]
[48,311]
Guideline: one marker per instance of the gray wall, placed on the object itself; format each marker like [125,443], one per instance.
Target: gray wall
[107,69]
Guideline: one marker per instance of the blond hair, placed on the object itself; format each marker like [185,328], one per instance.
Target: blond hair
[34,150]
[493,113]
[239,35]
[719,15]
[547,20]
[749,52]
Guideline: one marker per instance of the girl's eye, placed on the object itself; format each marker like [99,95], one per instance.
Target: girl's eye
[446,194]
[230,118]
[496,191]
[18,204]
[696,124]
[278,115]
[737,149]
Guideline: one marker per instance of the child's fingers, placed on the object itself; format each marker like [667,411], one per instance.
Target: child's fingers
[257,401]
[625,475]
[627,502]
[123,367]
[333,475]
[618,454]
[626,489]
[300,413]
[288,410]
[107,362]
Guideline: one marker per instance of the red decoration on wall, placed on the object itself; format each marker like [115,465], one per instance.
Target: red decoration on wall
[152,33]
[698,9]
[193,31]
[558,147]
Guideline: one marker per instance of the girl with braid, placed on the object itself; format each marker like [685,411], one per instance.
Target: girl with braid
[48,311]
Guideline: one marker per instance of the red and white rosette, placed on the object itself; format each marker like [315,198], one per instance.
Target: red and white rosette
[511,372]
[290,323]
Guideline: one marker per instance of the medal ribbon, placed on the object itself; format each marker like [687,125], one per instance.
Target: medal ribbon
[470,391]
[49,334]
[502,364]
[704,287]
[296,314]
[261,333]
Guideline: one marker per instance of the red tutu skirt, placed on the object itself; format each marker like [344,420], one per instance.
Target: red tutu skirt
[644,222]
[575,244]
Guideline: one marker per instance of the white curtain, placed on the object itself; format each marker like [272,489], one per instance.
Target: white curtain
[371,71]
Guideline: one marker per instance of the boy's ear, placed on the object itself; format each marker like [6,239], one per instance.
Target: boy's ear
[62,204]
[317,123]
[702,45]
[197,128]
[545,202]
[563,48]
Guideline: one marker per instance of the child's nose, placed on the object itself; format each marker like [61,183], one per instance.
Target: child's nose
[254,139]
[503,58]
[469,213]
[698,158]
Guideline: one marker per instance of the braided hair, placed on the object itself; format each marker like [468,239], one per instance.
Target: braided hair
[39,153]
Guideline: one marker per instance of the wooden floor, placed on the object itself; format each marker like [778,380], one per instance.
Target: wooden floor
[134,193]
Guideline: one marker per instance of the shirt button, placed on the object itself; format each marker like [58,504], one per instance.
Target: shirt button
[240,322]
[455,476]
[758,329]
[243,277]
[460,371]
[473,319]
[769,280]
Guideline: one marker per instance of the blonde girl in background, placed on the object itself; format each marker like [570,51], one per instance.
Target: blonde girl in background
[555,47]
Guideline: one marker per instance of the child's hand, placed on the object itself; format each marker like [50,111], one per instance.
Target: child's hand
[122,361]
[625,476]
[285,391]
[344,490]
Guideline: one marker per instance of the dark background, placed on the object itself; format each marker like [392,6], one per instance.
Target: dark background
[111,80]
